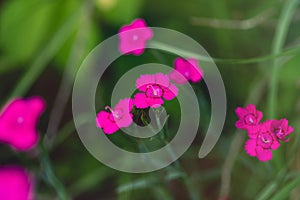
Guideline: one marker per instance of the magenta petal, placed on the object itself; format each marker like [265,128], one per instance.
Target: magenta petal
[252,135]
[253,129]
[284,122]
[25,140]
[37,104]
[125,104]
[240,112]
[138,52]
[290,130]
[180,64]
[195,70]
[250,147]
[162,79]
[259,115]
[240,124]
[15,184]
[143,81]
[125,121]
[263,154]
[251,108]
[103,119]
[171,92]
[155,102]
[110,128]
[140,100]
[177,77]
[275,144]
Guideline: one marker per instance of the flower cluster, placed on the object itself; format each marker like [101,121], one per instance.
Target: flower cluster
[263,136]
[18,120]
[153,89]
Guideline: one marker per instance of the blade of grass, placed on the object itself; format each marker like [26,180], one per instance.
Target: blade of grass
[272,186]
[278,42]
[285,191]
[175,50]
[45,56]
[90,180]
[76,56]
[50,175]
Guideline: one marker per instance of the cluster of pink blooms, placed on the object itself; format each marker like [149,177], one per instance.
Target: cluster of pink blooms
[154,89]
[263,136]
[18,120]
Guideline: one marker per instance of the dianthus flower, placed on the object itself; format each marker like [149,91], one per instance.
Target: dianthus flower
[262,143]
[133,37]
[18,120]
[186,70]
[249,118]
[117,118]
[281,129]
[155,88]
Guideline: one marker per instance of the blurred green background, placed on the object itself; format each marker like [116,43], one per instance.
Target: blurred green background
[255,45]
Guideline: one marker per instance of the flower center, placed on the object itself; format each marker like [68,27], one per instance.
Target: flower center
[135,37]
[154,91]
[278,131]
[20,120]
[115,114]
[186,74]
[265,140]
[250,119]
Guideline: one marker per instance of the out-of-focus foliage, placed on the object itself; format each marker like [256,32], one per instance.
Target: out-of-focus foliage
[72,28]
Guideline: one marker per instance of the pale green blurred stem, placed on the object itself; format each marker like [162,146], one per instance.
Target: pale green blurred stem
[75,58]
[189,185]
[278,42]
[50,175]
[253,60]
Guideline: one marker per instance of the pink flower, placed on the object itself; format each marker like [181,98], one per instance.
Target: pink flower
[133,37]
[186,70]
[15,184]
[249,118]
[117,118]
[155,87]
[281,129]
[18,120]
[262,143]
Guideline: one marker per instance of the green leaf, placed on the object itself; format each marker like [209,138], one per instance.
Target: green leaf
[119,11]
[285,191]
[27,25]
[23,26]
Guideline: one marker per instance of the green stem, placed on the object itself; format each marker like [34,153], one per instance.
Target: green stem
[189,185]
[75,58]
[279,39]
[278,43]
[286,190]
[50,176]
[176,50]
